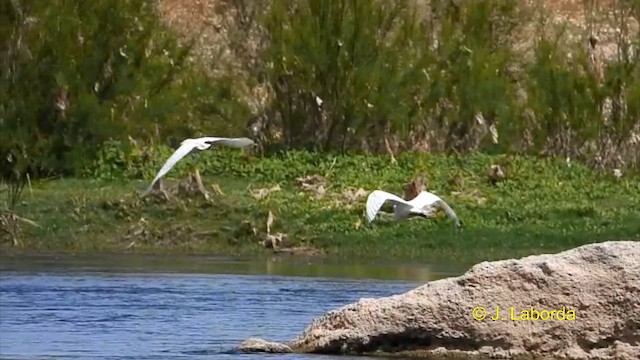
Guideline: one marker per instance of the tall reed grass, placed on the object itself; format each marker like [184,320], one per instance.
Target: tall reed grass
[484,75]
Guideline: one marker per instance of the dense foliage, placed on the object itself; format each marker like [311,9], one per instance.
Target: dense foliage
[103,83]
[384,68]
[75,74]
[451,77]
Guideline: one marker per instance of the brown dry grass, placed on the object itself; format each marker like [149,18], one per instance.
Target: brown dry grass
[226,45]
[189,16]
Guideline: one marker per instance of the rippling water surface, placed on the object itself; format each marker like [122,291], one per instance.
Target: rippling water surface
[195,308]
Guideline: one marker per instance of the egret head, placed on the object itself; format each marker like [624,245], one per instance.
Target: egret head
[458,225]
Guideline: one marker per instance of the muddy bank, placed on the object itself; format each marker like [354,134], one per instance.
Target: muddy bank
[579,304]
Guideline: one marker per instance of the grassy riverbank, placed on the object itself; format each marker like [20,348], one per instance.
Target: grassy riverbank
[542,205]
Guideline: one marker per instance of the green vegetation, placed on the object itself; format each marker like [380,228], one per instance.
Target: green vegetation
[98,93]
[77,74]
[446,76]
[543,205]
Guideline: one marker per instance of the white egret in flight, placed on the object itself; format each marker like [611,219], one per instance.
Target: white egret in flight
[421,205]
[203,143]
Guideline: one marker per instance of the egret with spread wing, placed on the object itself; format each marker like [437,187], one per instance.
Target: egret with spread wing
[202,143]
[421,205]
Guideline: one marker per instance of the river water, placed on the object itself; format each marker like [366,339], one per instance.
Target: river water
[128,307]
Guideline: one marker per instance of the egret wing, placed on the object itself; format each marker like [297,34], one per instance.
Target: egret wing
[377,198]
[182,151]
[231,142]
[426,199]
[448,210]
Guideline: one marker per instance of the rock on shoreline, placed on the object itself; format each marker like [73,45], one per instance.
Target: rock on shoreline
[599,282]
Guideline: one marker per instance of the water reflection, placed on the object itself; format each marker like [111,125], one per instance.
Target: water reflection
[146,307]
[270,265]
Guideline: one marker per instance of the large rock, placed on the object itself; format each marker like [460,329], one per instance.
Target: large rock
[597,286]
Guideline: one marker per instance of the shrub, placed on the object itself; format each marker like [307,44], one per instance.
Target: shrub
[76,74]
[359,58]
[442,76]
